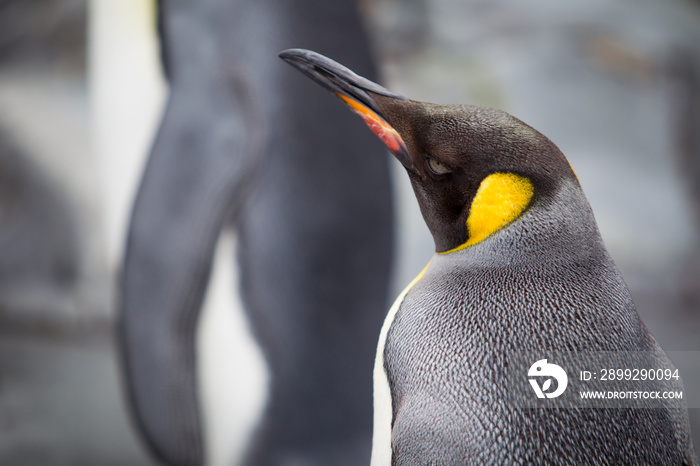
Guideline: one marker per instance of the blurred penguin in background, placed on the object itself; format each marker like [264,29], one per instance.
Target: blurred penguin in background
[261,201]
[42,247]
[39,242]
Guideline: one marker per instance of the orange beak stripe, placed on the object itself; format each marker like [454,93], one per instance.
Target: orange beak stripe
[377,124]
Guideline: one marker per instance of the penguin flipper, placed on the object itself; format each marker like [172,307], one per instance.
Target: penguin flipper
[195,179]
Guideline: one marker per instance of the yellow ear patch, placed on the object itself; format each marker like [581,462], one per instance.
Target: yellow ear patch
[500,199]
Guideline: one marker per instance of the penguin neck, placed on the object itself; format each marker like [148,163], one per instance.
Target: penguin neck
[560,228]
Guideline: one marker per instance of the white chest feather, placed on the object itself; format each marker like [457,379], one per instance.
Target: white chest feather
[233,375]
[381,437]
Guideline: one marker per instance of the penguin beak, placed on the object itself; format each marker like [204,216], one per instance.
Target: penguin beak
[356,92]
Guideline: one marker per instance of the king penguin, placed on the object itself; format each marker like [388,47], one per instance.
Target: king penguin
[235,156]
[519,266]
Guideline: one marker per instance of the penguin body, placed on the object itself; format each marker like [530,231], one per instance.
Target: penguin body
[473,307]
[313,280]
[520,266]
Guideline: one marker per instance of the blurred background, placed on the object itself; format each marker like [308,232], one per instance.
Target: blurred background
[614,83]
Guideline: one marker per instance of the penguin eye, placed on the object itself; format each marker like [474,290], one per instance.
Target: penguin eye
[437,167]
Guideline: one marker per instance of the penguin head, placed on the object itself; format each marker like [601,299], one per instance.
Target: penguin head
[474,170]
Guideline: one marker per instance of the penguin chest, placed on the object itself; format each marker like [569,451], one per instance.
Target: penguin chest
[444,358]
[444,408]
